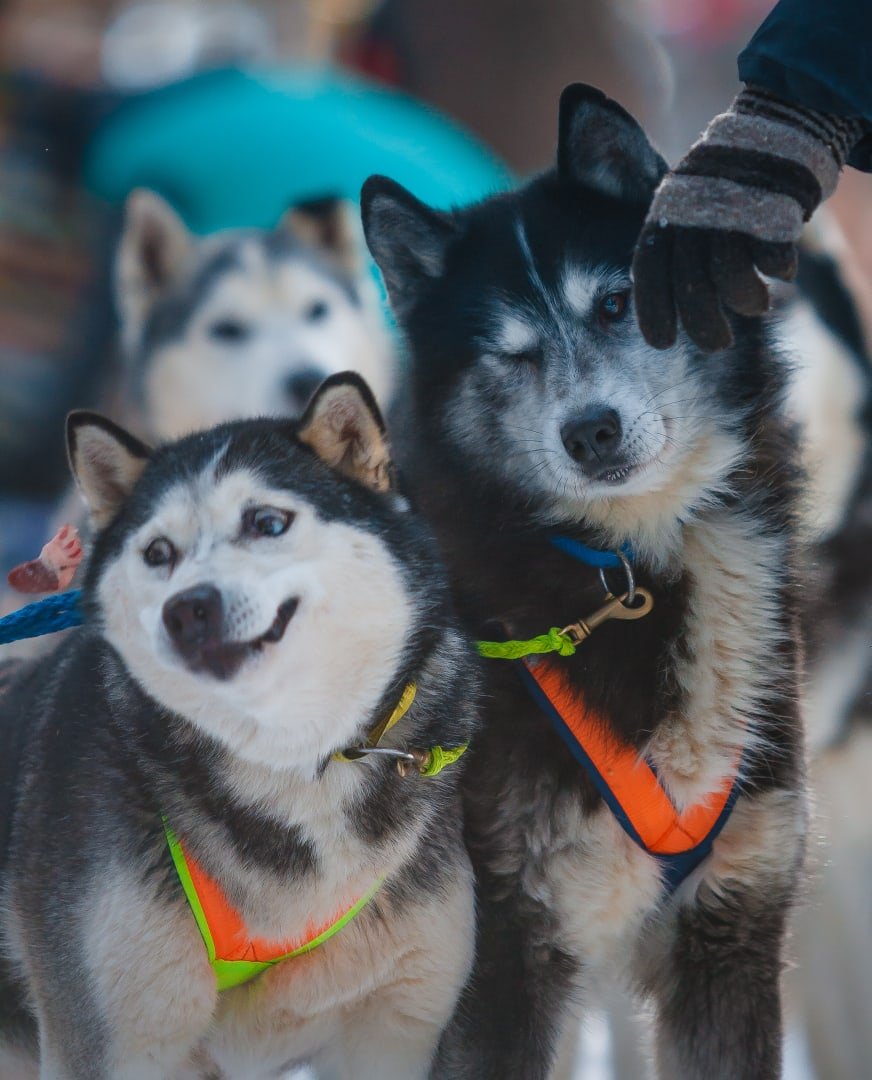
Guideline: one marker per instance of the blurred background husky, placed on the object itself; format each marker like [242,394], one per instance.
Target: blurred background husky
[245,322]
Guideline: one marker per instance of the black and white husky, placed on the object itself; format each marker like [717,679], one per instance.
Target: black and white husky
[259,598]
[537,414]
[243,322]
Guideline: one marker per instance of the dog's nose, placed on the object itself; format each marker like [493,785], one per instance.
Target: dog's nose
[593,437]
[194,618]
[301,385]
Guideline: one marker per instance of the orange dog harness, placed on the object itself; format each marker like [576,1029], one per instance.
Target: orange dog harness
[629,785]
[234,955]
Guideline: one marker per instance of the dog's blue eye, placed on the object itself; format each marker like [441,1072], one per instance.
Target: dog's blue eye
[266,521]
[160,552]
[229,330]
[317,311]
[613,306]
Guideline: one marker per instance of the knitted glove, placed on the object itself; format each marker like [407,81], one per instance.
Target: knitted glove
[737,201]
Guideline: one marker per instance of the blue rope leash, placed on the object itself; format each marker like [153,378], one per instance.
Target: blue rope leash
[62,611]
[46,616]
[600,560]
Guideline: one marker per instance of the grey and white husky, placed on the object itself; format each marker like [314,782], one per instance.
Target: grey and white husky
[259,599]
[243,322]
[541,425]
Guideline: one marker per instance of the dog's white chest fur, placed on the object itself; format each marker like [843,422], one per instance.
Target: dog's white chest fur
[365,1003]
[724,664]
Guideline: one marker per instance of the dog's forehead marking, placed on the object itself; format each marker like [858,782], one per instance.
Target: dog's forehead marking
[551,306]
[301,280]
[579,286]
[252,257]
[265,288]
[513,334]
[209,502]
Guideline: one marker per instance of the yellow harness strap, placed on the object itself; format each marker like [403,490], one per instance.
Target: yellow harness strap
[428,762]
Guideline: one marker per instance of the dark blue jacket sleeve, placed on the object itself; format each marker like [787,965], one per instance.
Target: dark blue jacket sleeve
[817,53]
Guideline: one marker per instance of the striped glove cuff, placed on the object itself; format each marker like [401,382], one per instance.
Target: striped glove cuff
[789,155]
[735,205]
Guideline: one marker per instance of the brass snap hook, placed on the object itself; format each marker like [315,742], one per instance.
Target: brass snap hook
[615,607]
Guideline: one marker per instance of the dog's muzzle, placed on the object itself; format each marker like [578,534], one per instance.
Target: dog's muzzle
[194,621]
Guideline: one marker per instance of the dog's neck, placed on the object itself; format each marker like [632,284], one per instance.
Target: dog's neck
[284,842]
[688,682]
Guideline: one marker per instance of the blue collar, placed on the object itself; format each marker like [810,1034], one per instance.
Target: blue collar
[57,612]
[599,560]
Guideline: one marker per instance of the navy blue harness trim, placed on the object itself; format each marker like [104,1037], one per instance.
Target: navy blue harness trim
[674,869]
[47,616]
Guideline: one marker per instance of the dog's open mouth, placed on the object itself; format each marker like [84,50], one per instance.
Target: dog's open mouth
[224,659]
[616,476]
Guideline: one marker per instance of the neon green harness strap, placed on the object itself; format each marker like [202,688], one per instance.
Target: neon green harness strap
[234,972]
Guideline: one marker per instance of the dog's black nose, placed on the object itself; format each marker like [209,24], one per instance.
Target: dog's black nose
[592,437]
[301,385]
[194,618]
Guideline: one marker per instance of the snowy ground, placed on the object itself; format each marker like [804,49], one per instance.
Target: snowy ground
[594,1054]
[595,1051]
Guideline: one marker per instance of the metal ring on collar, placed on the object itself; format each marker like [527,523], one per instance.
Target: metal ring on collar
[385,751]
[631,581]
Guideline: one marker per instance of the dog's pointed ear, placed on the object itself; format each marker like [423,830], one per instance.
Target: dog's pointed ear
[600,146]
[407,239]
[330,225]
[344,427]
[106,462]
[155,249]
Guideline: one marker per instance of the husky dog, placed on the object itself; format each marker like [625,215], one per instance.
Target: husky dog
[541,422]
[244,322]
[259,599]
[831,396]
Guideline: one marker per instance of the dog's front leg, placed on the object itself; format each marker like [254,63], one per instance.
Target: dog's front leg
[717,989]
[717,980]
[508,1020]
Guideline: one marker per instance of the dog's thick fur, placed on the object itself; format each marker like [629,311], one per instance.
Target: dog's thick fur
[243,322]
[519,320]
[325,618]
[831,396]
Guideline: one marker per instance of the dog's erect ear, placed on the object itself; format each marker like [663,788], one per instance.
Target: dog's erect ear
[602,147]
[407,239]
[330,225]
[154,252]
[106,462]
[344,427]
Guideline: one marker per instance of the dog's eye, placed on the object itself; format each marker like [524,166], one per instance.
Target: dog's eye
[266,521]
[526,356]
[612,307]
[160,552]
[229,330]
[317,311]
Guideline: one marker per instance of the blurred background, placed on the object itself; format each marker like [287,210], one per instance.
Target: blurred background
[233,111]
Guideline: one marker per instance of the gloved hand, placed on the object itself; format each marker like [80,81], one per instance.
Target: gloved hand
[737,201]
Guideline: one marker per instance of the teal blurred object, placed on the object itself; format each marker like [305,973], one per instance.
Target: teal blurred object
[236,148]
